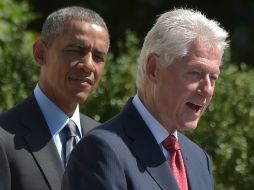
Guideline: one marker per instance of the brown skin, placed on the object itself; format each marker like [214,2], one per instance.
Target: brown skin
[72,63]
[177,95]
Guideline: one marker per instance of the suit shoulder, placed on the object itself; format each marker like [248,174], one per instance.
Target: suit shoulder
[191,145]
[10,114]
[113,125]
[87,123]
[11,119]
[89,120]
[14,112]
[184,139]
[104,139]
[110,132]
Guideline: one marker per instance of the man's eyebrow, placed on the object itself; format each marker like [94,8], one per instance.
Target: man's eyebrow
[77,45]
[85,47]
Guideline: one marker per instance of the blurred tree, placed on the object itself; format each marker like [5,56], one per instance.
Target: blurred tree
[17,70]
[237,16]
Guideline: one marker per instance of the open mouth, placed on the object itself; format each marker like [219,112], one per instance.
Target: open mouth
[194,107]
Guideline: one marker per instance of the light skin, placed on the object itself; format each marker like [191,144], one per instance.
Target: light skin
[177,95]
[72,63]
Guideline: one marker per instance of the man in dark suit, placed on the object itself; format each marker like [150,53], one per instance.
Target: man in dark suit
[34,142]
[142,147]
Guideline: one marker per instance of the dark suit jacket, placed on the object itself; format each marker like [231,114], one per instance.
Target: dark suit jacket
[28,156]
[122,154]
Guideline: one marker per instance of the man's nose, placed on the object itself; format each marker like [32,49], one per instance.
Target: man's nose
[206,87]
[87,63]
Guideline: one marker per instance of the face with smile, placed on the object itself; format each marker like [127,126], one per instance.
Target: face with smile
[72,63]
[182,91]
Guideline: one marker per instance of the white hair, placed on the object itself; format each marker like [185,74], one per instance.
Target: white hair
[174,31]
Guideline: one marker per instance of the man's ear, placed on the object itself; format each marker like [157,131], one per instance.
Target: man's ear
[152,67]
[39,50]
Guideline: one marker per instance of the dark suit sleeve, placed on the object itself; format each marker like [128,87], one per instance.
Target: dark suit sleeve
[5,176]
[93,165]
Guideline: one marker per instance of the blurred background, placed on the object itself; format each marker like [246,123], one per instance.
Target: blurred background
[237,16]
[226,131]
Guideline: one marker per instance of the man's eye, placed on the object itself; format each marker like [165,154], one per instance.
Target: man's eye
[75,51]
[214,78]
[195,73]
[98,57]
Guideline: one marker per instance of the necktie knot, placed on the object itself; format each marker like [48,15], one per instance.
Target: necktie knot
[71,129]
[171,143]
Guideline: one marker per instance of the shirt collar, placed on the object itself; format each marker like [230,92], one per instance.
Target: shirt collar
[54,116]
[158,131]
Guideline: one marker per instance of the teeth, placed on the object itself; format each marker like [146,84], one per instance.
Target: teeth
[197,108]
[194,107]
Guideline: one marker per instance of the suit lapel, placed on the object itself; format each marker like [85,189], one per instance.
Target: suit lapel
[146,149]
[87,124]
[42,145]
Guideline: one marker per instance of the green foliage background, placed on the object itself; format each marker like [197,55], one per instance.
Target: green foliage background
[226,130]
[18,73]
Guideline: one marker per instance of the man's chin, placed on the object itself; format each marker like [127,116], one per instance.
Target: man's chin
[81,97]
[189,126]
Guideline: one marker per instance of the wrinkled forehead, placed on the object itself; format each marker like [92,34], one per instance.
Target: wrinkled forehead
[204,48]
